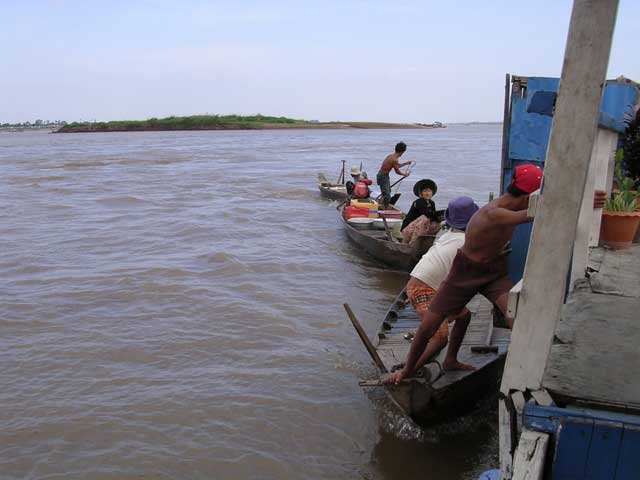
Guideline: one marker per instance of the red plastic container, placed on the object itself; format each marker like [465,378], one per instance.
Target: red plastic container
[355,212]
[390,214]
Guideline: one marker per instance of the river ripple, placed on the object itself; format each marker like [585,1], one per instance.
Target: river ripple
[171,307]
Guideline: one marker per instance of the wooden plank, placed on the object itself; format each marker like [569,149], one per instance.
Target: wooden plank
[572,448]
[566,167]
[548,419]
[588,232]
[505,439]
[598,358]
[580,255]
[528,463]
[363,336]
[542,397]
[519,403]
[506,121]
[535,199]
[604,450]
[512,301]
[629,458]
[603,174]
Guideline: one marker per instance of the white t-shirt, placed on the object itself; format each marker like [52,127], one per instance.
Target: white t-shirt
[434,265]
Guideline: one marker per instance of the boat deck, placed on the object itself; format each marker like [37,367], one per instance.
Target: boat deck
[595,356]
[393,347]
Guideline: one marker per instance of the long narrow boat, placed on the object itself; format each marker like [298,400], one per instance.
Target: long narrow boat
[435,395]
[332,191]
[376,243]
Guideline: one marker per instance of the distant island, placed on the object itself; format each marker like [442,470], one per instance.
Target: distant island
[225,122]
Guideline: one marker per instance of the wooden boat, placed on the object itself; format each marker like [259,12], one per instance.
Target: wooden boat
[434,395]
[377,243]
[332,191]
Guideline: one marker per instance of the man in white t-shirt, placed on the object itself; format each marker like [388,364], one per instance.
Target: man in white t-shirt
[426,278]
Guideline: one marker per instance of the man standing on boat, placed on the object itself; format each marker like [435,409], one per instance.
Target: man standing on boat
[425,280]
[480,266]
[391,162]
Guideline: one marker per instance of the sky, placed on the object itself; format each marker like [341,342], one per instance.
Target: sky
[395,61]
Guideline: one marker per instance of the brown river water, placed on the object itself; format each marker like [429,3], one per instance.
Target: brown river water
[171,308]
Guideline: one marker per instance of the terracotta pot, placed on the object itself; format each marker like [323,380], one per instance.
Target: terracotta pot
[619,228]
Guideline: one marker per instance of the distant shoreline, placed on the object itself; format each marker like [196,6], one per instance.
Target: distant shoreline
[229,122]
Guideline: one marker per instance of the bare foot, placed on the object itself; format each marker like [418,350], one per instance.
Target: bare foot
[456,365]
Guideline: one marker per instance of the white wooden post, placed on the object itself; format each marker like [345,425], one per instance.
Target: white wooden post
[606,154]
[566,167]
[589,218]
[554,229]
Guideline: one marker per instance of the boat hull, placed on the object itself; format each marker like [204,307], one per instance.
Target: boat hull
[437,395]
[401,256]
[333,193]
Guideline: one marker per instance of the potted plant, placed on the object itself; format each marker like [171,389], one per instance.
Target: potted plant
[620,219]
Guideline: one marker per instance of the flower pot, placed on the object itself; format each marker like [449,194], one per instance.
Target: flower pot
[619,228]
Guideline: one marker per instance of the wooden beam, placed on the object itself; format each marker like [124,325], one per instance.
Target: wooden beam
[529,459]
[513,299]
[588,233]
[542,397]
[506,120]
[363,336]
[519,403]
[566,167]
[506,437]
[603,176]
[532,206]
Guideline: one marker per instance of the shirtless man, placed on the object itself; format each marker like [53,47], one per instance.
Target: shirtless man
[391,162]
[481,265]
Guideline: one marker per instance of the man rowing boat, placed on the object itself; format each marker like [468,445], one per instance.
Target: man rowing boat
[389,163]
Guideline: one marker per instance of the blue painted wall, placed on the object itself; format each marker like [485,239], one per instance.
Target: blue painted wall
[529,137]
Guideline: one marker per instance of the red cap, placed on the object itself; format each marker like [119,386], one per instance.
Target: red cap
[527,177]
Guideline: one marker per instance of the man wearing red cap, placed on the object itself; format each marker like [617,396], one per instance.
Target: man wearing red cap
[481,265]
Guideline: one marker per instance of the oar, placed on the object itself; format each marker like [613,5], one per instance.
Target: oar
[363,336]
[386,228]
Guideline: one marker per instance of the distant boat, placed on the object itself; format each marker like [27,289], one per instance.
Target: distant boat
[332,191]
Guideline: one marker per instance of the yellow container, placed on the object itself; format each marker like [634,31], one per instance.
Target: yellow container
[365,203]
[373,214]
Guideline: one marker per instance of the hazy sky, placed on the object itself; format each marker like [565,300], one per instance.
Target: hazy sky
[413,61]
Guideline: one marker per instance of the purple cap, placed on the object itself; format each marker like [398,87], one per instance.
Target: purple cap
[459,212]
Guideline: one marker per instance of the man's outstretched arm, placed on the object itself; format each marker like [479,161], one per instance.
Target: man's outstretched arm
[396,168]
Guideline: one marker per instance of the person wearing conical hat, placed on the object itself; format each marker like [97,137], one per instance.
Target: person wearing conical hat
[426,278]
[422,218]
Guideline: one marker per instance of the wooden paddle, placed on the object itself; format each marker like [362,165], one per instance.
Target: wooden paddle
[386,228]
[363,336]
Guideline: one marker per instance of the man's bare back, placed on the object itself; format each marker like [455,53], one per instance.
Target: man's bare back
[391,163]
[492,226]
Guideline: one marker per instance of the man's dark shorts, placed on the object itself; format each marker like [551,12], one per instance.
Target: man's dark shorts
[385,186]
[467,278]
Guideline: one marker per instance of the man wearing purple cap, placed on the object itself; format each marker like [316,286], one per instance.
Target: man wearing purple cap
[425,280]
